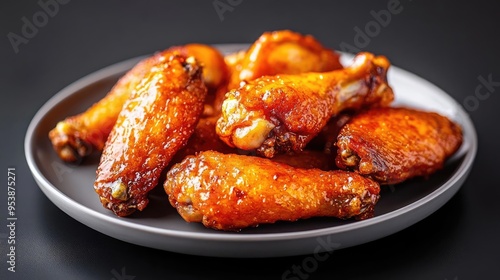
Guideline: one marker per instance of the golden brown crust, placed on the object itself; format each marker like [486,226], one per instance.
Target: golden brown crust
[75,137]
[276,114]
[232,192]
[155,122]
[282,52]
[394,144]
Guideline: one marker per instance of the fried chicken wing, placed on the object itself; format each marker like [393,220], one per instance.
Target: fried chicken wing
[282,52]
[155,122]
[275,114]
[77,136]
[391,145]
[232,192]
[277,52]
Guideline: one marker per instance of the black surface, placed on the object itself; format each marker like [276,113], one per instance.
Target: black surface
[450,43]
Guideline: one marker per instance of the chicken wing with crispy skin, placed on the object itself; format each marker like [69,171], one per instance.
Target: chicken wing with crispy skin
[232,192]
[392,145]
[282,52]
[156,121]
[277,52]
[75,137]
[275,114]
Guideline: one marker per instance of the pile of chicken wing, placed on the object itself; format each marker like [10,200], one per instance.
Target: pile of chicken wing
[281,131]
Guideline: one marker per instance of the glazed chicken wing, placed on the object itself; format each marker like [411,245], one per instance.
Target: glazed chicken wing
[282,52]
[75,137]
[275,114]
[391,145]
[232,192]
[155,122]
[279,52]
[273,53]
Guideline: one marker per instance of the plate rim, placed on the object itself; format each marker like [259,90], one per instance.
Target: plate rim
[64,202]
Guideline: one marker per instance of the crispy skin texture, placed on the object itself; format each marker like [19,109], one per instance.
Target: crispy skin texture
[282,52]
[273,53]
[276,114]
[279,52]
[231,192]
[392,145]
[155,122]
[75,137]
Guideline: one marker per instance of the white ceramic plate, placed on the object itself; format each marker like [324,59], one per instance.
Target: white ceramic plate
[159,226]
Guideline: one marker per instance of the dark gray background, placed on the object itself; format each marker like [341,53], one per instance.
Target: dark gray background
[450,43]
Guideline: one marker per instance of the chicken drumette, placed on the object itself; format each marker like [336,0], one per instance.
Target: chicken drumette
[274,53]
[76,136]
[275,114]
[232,192]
